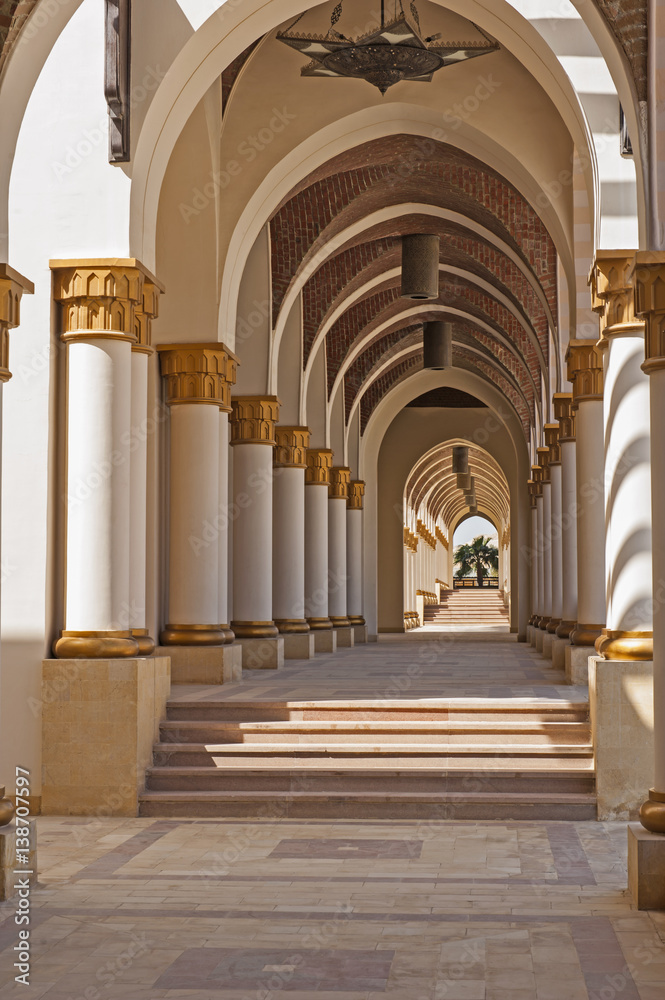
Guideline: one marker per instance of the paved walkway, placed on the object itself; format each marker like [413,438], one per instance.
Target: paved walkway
[136,909]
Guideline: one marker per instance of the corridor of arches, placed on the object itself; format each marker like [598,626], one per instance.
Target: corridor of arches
[274,335]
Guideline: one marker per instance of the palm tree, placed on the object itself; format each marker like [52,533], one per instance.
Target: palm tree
[479,557]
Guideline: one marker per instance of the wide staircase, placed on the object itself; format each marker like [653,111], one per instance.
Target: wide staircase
[433,759]
[479,608]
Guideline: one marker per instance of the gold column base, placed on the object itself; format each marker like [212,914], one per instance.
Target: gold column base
[585,635]
[543,622]
[532,620]
[319,624]
[564,629]
[340,621]
[553,624]
[613,644]
[192,635]
[652,813]
[95,645]
[357,620]
[228,633]
[255,630]
[145,641]
[291,626]
[6,808]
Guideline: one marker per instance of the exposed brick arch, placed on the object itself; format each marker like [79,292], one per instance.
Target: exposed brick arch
[13,15]
[446,178]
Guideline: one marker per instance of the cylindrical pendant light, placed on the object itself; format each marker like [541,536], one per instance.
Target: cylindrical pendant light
[420,266]
[460,458]
[463,480]
[438,345]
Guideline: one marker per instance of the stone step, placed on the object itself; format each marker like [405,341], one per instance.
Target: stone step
[509,710]
[206,731]
[367,779]
[390,755]
[365,805]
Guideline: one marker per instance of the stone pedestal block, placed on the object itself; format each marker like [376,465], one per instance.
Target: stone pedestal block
[548,639]
[359,634]
[577,663]
[203,664]
[621,704]
[646,868]
[540,635]
[299,646]
[325,641]
[529,634]
[262,654]
[344,637]
[10,862]
[559,653]
[100,720]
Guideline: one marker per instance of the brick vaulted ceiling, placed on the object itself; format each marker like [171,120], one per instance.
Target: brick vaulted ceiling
[500,298]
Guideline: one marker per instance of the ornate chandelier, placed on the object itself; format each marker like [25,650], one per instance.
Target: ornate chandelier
[395,51]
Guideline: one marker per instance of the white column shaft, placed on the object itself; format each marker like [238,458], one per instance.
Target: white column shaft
[547,549]
[568,531]
[555,542]
[540,557]
[138,490]
[193,540]
[316,550]
[288,565]
[252,533]
[657,407]
[98,485]
[337,572]
[354,563]
[591,523]
[223,520]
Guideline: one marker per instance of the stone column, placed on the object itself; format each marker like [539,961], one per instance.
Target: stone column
[563,411]
[554,533]
[253,422]
[545,536]
[537,476]
[647,857]
[223,530]
[317,481]
[585,371]
[197,381]
[288,547]
[12,287]
[354,559]
[338,494]
[628,635]
[100,303]
[138,473]
[533,495]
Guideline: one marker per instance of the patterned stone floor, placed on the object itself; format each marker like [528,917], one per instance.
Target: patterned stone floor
[230,910]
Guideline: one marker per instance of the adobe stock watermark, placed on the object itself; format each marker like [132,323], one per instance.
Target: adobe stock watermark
[246,152]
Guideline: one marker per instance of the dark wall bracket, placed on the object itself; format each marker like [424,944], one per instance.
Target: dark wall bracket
[117,77]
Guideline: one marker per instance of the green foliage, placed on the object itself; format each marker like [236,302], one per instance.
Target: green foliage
[479,557]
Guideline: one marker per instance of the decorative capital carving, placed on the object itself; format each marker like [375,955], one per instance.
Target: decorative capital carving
[585,370]
[425,534]
[110,298]
[537,479]
[12,287]
[319,464]
[356,494]
[253,419]
[564,413]
[505,537]
[291,447]
[649,291]
[340,477]
[410,540]
[198,373]
[532,487]
[441,537]
[612,295]
[544,464]
[552,442]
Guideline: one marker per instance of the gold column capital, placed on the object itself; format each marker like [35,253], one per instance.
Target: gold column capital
[544,463]
[537,478]
[319,464]
[584,361]
[253,419]
[564,413]
[648,278]
[198,373]
[612,295]
[410,540]
[552,441]
[425,534]
[340,478]
[291,447]
[356,494]
[532,487]
[106,298]
[441,537]
[12,287]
